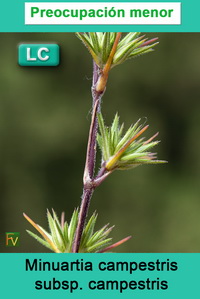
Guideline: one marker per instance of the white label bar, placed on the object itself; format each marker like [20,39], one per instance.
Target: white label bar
[102,13]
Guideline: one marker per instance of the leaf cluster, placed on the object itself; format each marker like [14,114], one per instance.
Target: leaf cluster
[100,44]
[61,235]
[123,150]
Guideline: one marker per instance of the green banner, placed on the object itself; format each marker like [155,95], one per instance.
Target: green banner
[14,14]
[130,275]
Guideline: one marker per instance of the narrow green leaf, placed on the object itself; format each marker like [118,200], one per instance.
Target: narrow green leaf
[133,130]
[90,226]
[105,47]
[156,162]
[99,141]
[127,166]
[40,240]
[142,50]
[115,132]
[50,222]
[115,123]
[56,219]
[45,232]
[110,143]
[100,35]
[86,40]
[132,156]
[99,245]
[122,54]
[120,132]
[88,231]
[95,42]
[112,39]
[107,232]
[88,43]
[104,135]
[147,146]
[72,226]
[56,232]
[133,147]
[65,233]
[98,235]
[128,38]
[60,237]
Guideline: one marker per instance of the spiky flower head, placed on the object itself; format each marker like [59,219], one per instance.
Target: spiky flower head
[131,45]
[125,151]
[61,236]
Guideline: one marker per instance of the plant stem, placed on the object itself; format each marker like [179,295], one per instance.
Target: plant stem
[88,187]
[86,197]
[91,148]
[89,183]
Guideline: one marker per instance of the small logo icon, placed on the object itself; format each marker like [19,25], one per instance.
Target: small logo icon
[12,239]
[38,54]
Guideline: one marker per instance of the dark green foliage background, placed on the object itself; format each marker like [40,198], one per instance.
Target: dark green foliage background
[44,122]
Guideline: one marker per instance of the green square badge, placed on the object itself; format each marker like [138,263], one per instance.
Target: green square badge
[38,54]
[12,239]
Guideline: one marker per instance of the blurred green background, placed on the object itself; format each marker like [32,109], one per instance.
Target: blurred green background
[44,122]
